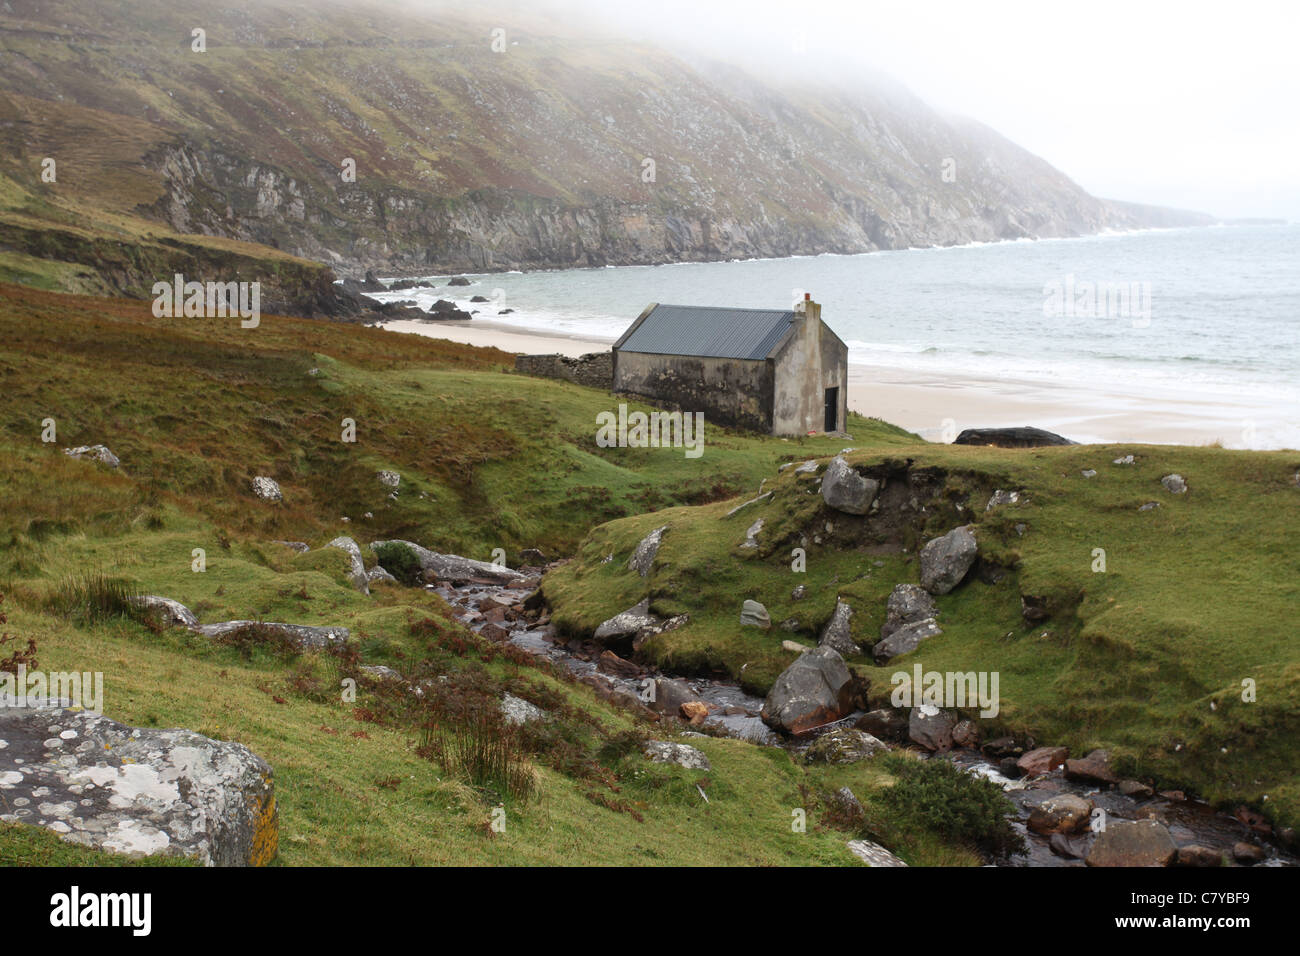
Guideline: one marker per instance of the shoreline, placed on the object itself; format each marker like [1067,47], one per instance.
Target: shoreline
[937,406]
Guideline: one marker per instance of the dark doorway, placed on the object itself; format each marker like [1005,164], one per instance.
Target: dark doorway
[832,409]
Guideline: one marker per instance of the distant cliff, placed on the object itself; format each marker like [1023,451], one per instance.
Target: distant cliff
[558,152]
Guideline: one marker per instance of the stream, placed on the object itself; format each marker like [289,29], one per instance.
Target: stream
[735,713]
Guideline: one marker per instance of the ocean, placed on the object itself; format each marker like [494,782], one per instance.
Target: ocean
[1175,315]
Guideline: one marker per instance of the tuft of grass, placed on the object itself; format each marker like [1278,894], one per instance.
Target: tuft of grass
[93,597]
[487,754]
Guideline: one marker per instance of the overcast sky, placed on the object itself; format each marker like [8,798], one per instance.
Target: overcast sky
[1186,104]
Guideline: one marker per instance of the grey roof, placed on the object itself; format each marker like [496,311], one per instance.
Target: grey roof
[707,331]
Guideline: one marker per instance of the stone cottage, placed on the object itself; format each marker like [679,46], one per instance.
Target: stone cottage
[766,370]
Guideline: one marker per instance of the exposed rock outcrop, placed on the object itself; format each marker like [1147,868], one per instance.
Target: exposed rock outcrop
[814,690]
[945,560]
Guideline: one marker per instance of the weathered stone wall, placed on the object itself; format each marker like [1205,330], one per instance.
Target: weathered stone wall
[736,393]
[595,369]
[811,361]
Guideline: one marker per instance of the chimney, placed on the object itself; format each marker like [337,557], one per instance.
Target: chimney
[812,311]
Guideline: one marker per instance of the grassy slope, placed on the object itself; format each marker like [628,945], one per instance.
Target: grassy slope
[1197,596]
[194,409]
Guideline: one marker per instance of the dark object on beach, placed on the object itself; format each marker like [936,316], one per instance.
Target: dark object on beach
[479,298]
[459,280]
[1026,437]
[505,311]
[442,309]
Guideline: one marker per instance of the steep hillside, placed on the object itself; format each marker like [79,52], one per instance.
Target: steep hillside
[468,158]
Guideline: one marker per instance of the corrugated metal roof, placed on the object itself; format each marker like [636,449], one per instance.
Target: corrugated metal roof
[708,332]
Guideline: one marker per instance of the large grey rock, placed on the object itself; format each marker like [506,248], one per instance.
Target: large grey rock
[666,695]
[814,690]
[356,566]
[907,604]
[303,635]
[644,555]
[665,751]
[453,567]
[1132,843]
[516,710]
[845,490]
[844,745]
[379,575]
[99,453]
[1000,498]
[1025,437]
[1061,813]
[905,640]
[945,560]
[389,479]
[837,635]
[628,623]
[873,854]
[103,784]
[1175,484]
[165,611]
[267,489]
[753,614]
[931,728]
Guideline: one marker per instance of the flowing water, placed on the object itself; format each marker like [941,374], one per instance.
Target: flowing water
[1189,822]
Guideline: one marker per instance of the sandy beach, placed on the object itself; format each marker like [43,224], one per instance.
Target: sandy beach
[937,408]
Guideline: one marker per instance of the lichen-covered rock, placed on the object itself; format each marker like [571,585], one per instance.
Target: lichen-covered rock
[905,640]
[389,479]
[945,561]
[1132,843]
[628,623]
[1000,498]
[843,489]
[643,557]
[267,489]
[931,728]
[844,745]
[165,611]
[665,751]
[837,634]
[380,575]
[516,710]
[1174,484]
[99,453]
[356,566]
[453,567]
[754,614]
[303,635]
[814,690]
[907,604]
[103,784]
[873,854]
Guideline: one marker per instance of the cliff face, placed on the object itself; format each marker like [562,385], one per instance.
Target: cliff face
[560,151]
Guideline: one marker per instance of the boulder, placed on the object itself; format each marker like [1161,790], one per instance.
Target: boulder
[1136,789]
[458,280]
[379,575]
[907,604]
[267,489]
[814,690]
[165,611]
[1000,498]
[1094,768]
[945,561]
[1132,843]
[1026,437]
[844,745]
[753,614]
[453,567]
[611,663]
[905,640]
[836,634]
[1042,760]
[516,710]
[389,479]
[1248,854]
[1174,484]
[665,751]
[300,634]
[356,567]
[644,555]
[1062,813]
[799,593]
[843,489]
[873,854]
[966,734]
[694,712]
[99,453]
[931,728]
[1072,848]
[102,784]
[751,535]
[628,623]
[666,696]
[444,309]
[795,647]
[1197,855]
[1126,460]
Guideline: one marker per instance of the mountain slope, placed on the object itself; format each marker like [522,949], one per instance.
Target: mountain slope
[472,159]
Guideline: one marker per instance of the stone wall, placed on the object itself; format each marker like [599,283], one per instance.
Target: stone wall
[595,369]
[735,393]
